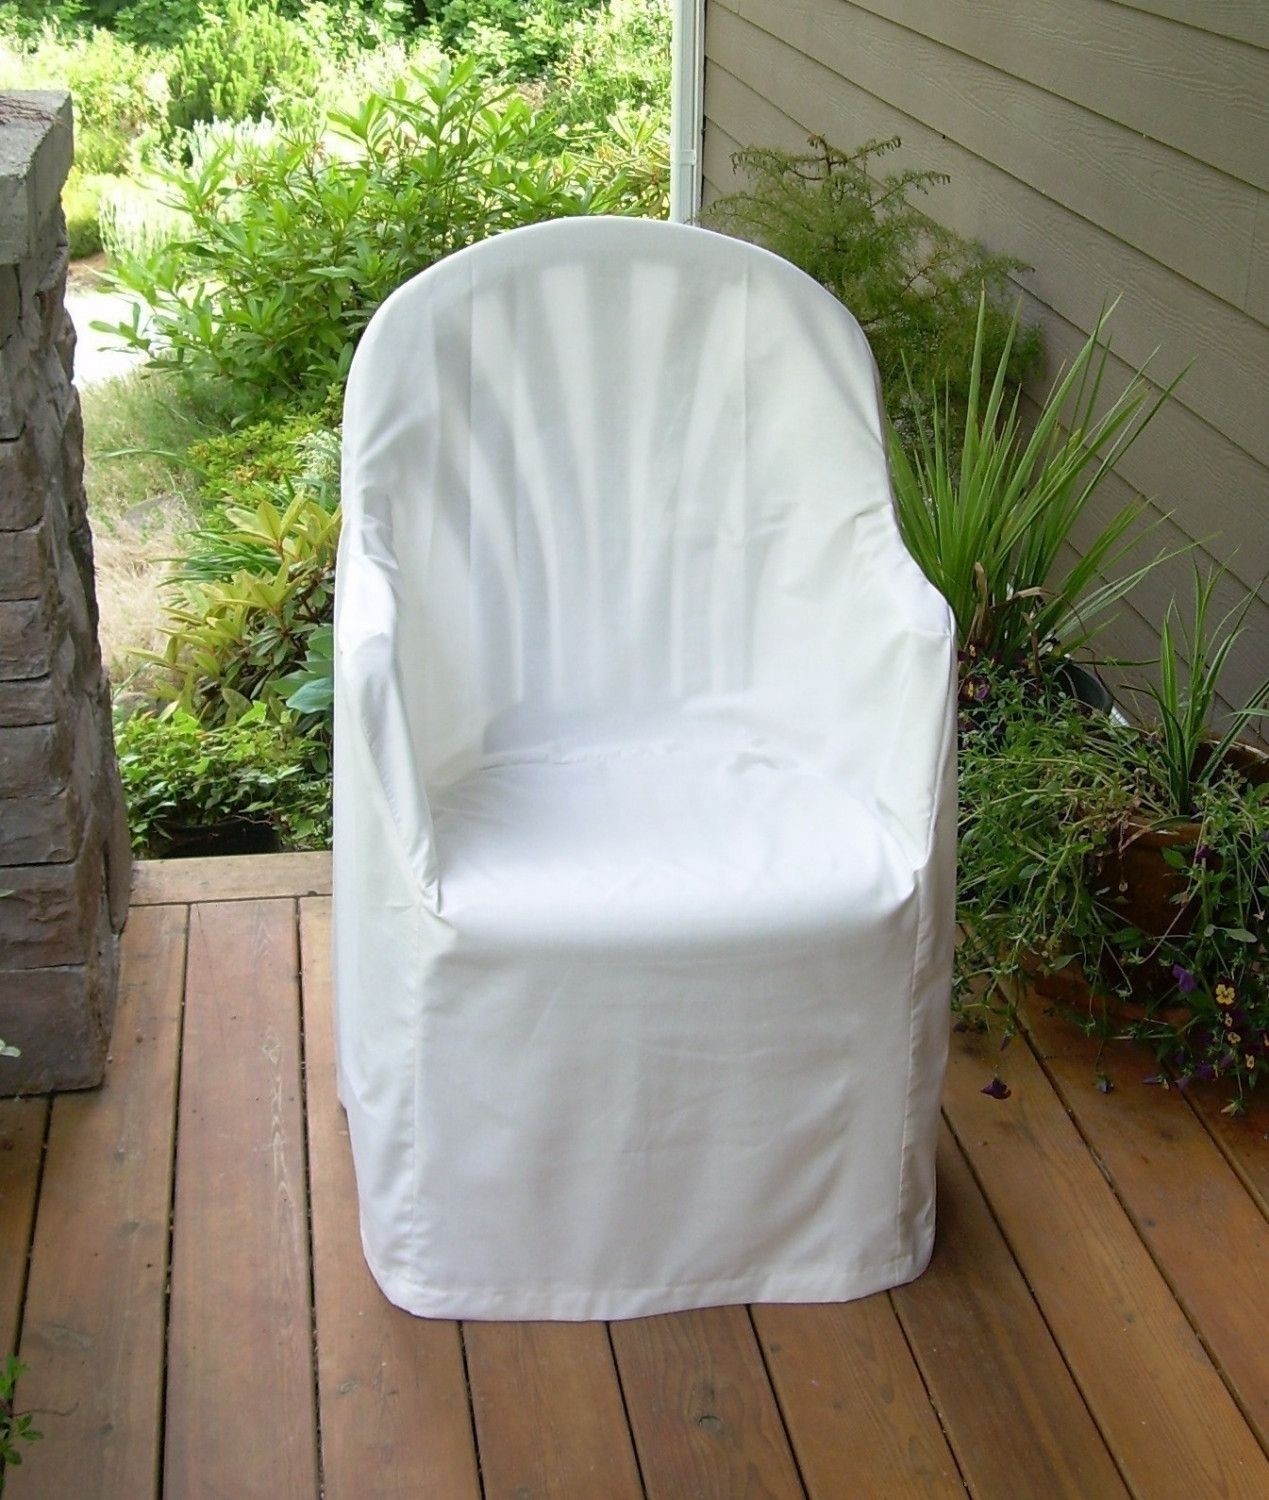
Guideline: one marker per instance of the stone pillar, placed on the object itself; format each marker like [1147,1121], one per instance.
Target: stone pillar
[64,857]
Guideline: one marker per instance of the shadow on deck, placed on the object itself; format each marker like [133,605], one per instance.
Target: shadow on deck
[180,1269]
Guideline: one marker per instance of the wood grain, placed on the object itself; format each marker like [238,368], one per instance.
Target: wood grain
[1206,1235]
[93,1335]
[22,1126]
[234,877]
[1171,1425]
[705,1421]
[391,1388]
[854,1402]
[1015,1418]
[1243,1140]
[549,1413]
[240,1406]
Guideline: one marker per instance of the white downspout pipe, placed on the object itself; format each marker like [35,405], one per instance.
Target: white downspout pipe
[687,109]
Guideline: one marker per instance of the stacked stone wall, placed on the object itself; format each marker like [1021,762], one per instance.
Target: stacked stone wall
[64,858]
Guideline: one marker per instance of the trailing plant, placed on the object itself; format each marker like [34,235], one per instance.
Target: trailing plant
[988,505]
[924,295]
[1213,1019]
[1188,754]
[1051,794]
[180,775]
[292,252]
[1043,791]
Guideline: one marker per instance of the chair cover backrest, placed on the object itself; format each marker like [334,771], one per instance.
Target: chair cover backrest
[622,466]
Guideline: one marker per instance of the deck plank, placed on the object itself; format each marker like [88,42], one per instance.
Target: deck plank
[391,1389]
[854,1402]
[1242,1139]
[22,1126]
[703,1415]
[1160,1404]
[234,877]
[93,1334]
[549,1414]
[1014,1416]
[240,1406]
[1204,1231]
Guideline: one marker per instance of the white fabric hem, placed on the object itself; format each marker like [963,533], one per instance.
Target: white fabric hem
[569,1305]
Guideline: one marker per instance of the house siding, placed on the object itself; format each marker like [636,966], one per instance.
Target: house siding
[1118,147]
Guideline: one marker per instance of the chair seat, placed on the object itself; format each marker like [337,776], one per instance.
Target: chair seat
[664,846]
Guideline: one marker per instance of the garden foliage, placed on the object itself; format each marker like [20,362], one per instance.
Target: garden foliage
[263,173]
[179,775]
[989,506]
[1051,794]
[915,286]
[238,59]
[291,249]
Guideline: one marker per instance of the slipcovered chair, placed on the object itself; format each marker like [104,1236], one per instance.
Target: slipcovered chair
[644,789]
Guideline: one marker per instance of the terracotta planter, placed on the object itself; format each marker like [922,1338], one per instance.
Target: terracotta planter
[1142,884]
[1149,892]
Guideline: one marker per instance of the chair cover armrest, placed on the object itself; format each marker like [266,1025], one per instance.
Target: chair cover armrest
[372,724]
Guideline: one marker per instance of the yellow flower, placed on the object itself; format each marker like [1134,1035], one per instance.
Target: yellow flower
[1232,1038]
[1224,994]
[1250,1061]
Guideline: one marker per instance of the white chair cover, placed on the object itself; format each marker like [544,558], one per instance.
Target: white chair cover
[643,789]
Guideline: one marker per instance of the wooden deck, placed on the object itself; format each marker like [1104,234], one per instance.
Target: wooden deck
[180,1271]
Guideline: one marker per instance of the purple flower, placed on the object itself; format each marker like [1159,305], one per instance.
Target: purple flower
[996,1089]
[1206,1072]
[1202,854]
[1185,981]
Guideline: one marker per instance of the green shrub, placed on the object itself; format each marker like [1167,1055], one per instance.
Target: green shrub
[292,252]
[120,92]
[81,203]
[133,219]
[237,60]
[274,463]
[231,637]
[520,38]
[25,19]
[913,285]
[616,58]
[179,775]
[252,463]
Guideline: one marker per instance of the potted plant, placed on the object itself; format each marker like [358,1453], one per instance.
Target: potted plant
[1057,802]
[988,509]
[1148,875]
